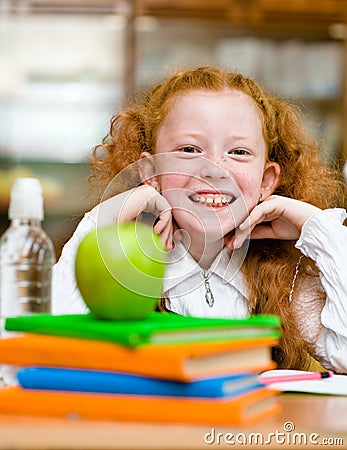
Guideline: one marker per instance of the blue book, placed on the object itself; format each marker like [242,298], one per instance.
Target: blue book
[66,379]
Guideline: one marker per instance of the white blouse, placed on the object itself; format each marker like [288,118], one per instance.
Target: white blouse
[323,238]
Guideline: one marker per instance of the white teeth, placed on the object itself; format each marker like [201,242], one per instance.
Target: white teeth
[211,199]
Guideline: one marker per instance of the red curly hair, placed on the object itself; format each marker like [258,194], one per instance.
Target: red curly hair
[270,264]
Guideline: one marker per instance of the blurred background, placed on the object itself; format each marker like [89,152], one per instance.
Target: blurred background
[67,65]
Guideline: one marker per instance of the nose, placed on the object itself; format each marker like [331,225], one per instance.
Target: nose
[211,169]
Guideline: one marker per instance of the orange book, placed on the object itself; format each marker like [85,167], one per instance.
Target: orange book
[245,409]
[185,361]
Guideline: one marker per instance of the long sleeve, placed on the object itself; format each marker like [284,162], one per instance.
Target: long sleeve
[324,239]
[66,298]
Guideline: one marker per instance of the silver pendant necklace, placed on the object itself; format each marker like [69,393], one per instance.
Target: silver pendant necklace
[208,293]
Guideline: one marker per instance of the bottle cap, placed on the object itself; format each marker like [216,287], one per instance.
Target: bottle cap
[26,200]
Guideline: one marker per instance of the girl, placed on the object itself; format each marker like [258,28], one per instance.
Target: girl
[260,217]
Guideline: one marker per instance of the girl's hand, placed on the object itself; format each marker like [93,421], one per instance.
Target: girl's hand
[275,218]
[129,205]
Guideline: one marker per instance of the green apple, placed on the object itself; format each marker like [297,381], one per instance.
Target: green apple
[120,270]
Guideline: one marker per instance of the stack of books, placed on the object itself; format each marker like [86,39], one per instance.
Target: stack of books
[165,368]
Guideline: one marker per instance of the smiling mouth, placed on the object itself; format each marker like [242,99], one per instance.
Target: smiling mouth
[215,200]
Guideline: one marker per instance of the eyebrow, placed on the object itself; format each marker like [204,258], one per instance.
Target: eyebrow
[199,135]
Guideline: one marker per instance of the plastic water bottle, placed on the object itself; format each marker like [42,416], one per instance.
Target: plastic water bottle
[26,259]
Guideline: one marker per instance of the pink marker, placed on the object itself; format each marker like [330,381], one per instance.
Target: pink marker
[297,377]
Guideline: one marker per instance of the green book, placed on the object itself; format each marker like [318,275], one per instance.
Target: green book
[156,328]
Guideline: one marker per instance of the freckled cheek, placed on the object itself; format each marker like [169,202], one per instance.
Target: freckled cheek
[168,182]
[250,189]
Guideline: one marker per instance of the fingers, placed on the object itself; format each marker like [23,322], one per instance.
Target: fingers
[268,220]
[160,208]
[165,234]
[266,211]
[229,242]
[164,228]
[157,205]
[146,199]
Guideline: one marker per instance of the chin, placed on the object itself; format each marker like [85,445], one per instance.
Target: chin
[211,227]
[206,232]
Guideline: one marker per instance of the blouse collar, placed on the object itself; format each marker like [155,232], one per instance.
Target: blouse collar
[227,266]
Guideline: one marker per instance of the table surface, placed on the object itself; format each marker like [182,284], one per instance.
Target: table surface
[306,421]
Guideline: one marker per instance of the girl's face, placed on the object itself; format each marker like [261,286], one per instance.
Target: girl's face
[211,160]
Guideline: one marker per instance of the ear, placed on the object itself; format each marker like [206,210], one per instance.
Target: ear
[147,170]
[270,179]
